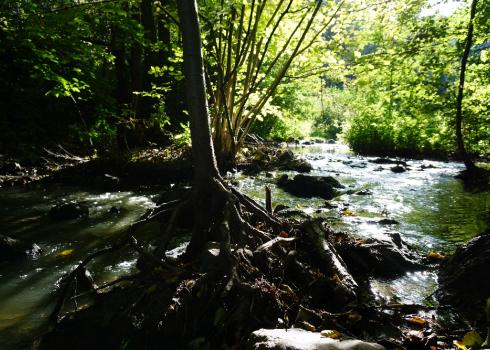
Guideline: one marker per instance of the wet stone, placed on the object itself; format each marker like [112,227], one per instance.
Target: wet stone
[387,161]
[279,208]
[299,339]
[310,186]
[364,193]
[379,258]
[12,249]
[463,278]
[115,210]
[68,211]
[388,222]
[398,169]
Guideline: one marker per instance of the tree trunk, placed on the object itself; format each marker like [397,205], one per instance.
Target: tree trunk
[136,68]
[122,91]
[202,145]
[459,100]
[149,58]
[208,200]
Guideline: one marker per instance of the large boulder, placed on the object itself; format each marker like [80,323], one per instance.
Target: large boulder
[12,249]
[310,186]
[379,258]
[68,211]
[268,158]
[286,160]
[463,278]
[299,339]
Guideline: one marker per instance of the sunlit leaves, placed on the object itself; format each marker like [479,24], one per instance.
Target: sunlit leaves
[403,70]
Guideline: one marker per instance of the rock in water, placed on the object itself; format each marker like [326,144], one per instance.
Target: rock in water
[68,211]
[388,161]
[11,249]
[388,222]
[310,186]
[463,278]
[299,339]
[379,258]
[398,169]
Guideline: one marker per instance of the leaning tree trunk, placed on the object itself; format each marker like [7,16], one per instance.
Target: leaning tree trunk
[459,101]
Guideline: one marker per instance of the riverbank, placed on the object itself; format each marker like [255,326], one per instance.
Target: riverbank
[151,166]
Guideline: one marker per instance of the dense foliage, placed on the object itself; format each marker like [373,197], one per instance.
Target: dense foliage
[399,72]
[378,74]
[90,71]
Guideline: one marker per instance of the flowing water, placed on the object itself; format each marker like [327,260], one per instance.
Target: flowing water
[433,211]
[27,286]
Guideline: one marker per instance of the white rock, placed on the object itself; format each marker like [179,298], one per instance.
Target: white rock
[300,339]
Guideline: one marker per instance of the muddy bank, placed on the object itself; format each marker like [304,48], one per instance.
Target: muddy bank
[140,169]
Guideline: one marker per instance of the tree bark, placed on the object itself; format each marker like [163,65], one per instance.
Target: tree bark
[459,100]
[122,91]
[202,145]
[149,58]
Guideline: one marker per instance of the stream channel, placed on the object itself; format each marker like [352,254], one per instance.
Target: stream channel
[433,212]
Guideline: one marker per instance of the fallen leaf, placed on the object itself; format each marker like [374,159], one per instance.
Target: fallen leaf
[189,283]
[283,234]
[307,326]
[354,317]
[416,321]
[66,252]
[472,338]
[460,345]
[347,212]
[435,256]
[331,333]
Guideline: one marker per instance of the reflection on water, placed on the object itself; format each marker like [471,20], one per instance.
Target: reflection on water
[431,207]
[401,290]
[27,286]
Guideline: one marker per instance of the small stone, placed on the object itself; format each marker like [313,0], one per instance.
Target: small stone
[398,169]
[68,211]
[364,193]
[115,210]
[388,222]
[12,249]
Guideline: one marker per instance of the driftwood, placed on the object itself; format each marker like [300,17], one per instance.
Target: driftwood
[330,262]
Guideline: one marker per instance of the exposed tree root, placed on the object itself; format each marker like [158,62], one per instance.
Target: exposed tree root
[266,274]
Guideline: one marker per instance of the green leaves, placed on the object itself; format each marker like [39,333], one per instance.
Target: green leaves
[472,338]
[401,70]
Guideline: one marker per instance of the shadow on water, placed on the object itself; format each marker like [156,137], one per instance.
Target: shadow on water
[28,286]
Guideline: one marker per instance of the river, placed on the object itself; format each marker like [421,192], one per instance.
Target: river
[433,212]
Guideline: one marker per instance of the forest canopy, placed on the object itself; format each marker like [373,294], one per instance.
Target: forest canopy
[381,76]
